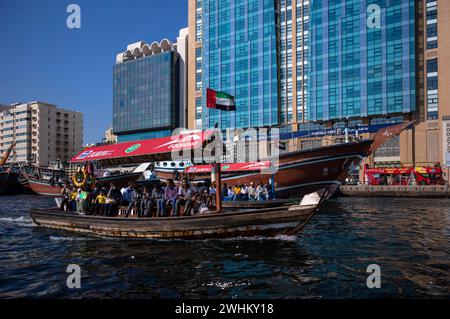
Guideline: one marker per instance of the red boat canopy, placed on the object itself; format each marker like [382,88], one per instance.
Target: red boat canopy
[235,167]
[158,149]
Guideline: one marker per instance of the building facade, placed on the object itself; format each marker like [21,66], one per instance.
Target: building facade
[110,137]
[42,133]
[341,63]
[149,95]
[361,65]
[424,143]
[255,50]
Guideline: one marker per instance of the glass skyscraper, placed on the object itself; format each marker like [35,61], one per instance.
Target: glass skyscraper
[361,58]
[237,54]
[146,97]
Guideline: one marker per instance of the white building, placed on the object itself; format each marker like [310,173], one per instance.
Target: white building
[109,136]
[42,132]
[141,49]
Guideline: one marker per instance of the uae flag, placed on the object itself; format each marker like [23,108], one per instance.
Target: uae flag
[220,100]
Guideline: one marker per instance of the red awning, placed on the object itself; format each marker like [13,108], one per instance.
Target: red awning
[235,167]
[158,149]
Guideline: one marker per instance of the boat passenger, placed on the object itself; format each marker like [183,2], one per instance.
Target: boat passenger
[236,193]
[170,197]
[82,201]
[244,192]
[135,200]
[212,195]
[92,197]
[252,192]
[145,203]
[185,194]
[72,199]
[156,199]
[192,198]
[261,192]
[224,195]
[65,193]
[270,193]
[126,194]
[100,202]
[201,205]
[230,193]
[114,198]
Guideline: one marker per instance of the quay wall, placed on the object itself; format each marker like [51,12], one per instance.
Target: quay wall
[428,191]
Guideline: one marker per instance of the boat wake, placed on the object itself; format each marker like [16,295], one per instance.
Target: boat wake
[61,238]
[20,221]
[223,285]
[262,238]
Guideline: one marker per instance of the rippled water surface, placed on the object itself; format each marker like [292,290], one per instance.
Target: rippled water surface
[408,238]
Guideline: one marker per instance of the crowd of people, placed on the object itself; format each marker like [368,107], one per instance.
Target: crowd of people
[250,192]
[158,200]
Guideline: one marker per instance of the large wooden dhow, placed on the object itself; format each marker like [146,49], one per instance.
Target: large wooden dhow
[301,172]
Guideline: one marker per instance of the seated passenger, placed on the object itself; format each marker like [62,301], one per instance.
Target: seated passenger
[252,192]
[135,200]
[145,204]
[261,192]
[113,199]
[185,197]
[244,192]
[236,193]
[224,194]
[170,197]
[230,193]
[126,194]
[156,200]
[201,204]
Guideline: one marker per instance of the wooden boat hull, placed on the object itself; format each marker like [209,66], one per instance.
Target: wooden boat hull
[45,188]
[259,204]
[265,222]
[9,183]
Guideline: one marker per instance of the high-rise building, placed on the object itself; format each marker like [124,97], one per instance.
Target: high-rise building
[361,65]
[149,89]
[338,63]
[255,50]
[42,133]
[425,142]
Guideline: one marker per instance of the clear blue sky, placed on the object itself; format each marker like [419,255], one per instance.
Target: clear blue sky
[41,59]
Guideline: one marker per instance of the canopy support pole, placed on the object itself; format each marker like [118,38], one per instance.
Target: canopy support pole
[218,180]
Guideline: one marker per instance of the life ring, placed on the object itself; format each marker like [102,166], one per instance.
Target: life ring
[79,178]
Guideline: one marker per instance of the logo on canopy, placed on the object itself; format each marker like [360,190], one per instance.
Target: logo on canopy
[132,148]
